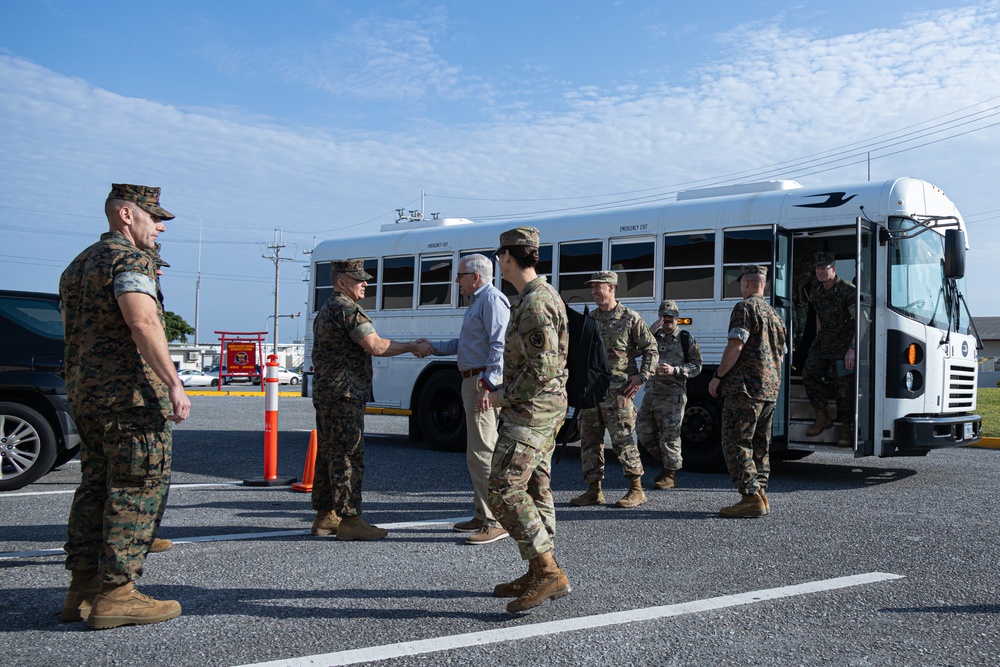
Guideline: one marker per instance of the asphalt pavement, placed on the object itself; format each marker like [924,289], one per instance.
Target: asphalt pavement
[861,562]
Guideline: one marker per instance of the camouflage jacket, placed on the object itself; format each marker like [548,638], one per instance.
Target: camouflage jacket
[668,345]
[342,368]
[534,357]
[757,372]
[104,370]
[836,308]
[626,337]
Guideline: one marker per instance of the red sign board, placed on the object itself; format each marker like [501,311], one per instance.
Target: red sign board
[241,357]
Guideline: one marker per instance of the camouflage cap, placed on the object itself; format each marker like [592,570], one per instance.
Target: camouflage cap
[355,268]
[669,307]
[751,269]
[824,259]
[526,236]
[148,198]
[609,277]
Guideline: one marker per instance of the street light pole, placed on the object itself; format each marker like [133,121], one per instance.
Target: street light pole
[277,259]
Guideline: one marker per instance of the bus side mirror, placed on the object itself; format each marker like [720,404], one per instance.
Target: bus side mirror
[954,254]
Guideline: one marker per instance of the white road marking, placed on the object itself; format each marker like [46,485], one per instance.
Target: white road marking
[437,644]
[240,536]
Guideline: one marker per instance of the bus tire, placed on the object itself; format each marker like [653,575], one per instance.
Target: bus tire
[441,413]
[701,437]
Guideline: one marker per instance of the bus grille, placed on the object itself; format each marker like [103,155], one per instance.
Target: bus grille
[961,394]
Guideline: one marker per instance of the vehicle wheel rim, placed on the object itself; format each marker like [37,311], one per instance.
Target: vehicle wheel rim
[20,445]
[697,425]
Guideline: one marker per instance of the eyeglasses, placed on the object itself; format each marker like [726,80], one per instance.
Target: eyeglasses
[460,274]
[498,253]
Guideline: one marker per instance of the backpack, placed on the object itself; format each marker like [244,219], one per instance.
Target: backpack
[685,343]
[586,361]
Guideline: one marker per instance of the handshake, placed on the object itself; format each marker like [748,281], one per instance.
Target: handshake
[421,348]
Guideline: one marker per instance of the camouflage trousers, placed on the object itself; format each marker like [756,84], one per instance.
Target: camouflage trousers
[813,372]
[519,487]
[124,479]
[658,428]
[616,414]
[340,457]
[746,439]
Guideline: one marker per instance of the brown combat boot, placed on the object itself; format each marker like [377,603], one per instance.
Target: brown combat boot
[846,438]
[356,528]
[159,546]
[767,502]
[84,585]
[592,496]
[635,496]
[550,583]
[822,423]
[513,589]
[325,523]
[667,479]
[749,506]
[124,605]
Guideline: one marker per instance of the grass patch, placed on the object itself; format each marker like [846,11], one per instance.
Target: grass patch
[988,407]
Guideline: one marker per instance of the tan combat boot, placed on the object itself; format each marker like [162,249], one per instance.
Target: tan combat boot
[124,605]
[159,546]
[325,523]
[84,585]
[550,583]
[635,496]
[513,589]
[356,528]
[822,423]
[592,496]
[667,479]
[846,438]
[749,506]
[767,502]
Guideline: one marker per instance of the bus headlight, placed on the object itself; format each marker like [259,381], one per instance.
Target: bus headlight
[910,380]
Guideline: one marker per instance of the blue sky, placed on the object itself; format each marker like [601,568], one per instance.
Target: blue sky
[324,119]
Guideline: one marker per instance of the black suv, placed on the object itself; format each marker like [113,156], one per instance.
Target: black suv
[37,432]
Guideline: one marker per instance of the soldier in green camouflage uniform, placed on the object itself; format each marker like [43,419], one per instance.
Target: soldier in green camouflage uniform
[344,342]
[625,337]
[124,392]
[835,302]
[533,406]
[658,428]
[750,376]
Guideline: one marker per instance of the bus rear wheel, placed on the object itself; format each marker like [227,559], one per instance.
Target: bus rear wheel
[701,438]
[440,411]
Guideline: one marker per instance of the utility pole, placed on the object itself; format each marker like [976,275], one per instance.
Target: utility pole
[197,285]
[277,259]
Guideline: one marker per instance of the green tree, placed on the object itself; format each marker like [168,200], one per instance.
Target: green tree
[177,328]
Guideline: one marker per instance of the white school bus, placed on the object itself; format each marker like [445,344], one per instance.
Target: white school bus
[901,242]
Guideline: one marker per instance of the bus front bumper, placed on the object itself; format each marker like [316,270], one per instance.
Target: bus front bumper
[923,433]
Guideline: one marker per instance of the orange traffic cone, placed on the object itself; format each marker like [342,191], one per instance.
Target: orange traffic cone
[309,471]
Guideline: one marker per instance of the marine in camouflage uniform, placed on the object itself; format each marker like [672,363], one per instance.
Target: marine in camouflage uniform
[625,337]
[658,428]
[748,379]
[124,392]
[344,341]
[533,406]
[834,301]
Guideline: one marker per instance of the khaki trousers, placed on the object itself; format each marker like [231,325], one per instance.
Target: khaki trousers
[481,428]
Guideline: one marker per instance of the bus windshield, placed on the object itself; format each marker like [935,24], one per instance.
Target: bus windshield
[917,286]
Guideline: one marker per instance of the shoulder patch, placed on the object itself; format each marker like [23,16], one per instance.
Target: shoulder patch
[537,339]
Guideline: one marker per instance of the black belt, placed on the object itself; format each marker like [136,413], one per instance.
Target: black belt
[471,372]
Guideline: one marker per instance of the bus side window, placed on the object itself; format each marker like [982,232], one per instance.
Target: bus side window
[323,289]
[740,247]
[689,266]
[398,280]
[435,281]
[577,261]
[633,262]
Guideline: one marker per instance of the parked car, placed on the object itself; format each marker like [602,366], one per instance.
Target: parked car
[195,378]
[285,376]
[37,432]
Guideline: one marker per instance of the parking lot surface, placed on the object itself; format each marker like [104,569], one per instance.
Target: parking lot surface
[861,562]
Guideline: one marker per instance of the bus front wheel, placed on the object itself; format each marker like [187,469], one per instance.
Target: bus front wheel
[440,411]
[701,437]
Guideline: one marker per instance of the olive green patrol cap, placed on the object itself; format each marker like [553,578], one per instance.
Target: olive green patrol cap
[669,307]
[609,277]
[751,269]
[824,259]
[148,198]
[355,268]
[526,236]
